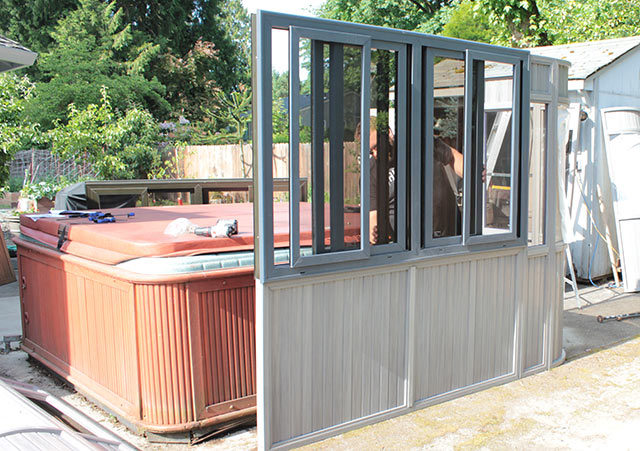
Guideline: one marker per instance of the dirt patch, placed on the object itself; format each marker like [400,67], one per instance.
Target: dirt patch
[18,366]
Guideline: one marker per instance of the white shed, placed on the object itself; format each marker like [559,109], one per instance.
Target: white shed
[14,56]
[603,74]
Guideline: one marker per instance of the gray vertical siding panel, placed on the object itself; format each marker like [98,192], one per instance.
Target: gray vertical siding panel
[469,313]
[534,313]
[339,345]
[306,306]
[340,351]
[558,306]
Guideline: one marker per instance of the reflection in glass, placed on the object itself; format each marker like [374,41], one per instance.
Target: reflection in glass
[280,139]
[497,155]
[448,146]
[383,148]
[330,110]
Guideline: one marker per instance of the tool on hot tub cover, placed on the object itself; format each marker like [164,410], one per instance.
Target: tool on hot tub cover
[96,216]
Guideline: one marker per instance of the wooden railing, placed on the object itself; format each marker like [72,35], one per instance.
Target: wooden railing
[198,189]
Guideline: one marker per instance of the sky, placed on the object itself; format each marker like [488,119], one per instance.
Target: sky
[297,7]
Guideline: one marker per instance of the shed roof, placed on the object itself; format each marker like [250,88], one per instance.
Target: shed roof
[13,55]
[587,58]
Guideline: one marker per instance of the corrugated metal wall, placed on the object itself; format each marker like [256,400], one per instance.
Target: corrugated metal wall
[557,307]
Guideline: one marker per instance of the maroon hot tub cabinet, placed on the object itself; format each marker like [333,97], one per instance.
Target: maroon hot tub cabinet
[169,353]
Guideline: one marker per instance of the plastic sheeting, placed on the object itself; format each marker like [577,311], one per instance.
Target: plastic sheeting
[74,197]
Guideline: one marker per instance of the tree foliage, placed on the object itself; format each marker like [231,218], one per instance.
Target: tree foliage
[402,14]
[190,88]
[32,22]
[178,27]
[235,110]
[92,49]
[465,23]
[140,49]
[516,23]
[15,135]
[590,20]
[119,145]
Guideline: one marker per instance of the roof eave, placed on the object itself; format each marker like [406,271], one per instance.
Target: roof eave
[13,58]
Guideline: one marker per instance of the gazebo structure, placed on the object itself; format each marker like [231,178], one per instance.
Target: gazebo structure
[443,275]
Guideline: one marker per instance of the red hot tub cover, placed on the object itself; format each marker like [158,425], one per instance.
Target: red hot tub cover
[143,235]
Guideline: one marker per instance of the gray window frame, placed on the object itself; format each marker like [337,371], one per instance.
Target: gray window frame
[477,147]
[401,146]
[411,223]
[428,162]
[296,260]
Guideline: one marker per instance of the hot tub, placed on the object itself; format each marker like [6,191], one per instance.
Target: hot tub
[158,330]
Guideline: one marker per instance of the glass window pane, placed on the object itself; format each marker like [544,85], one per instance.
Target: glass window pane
[537,173]
[497,147]
[448,146]
[329,156]
[383,154]
[351,114]
[280,138]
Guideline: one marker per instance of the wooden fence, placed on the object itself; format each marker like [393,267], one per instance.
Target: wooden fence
[235,161]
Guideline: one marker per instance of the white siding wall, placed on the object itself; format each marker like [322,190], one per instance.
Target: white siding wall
[617,85]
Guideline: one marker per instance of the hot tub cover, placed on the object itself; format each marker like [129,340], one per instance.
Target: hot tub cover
[143,235]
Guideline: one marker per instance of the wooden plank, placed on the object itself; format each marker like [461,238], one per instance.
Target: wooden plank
[6,271]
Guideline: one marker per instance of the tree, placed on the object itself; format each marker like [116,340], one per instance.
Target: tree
[190,87]
[588,20]
[178,26]
[465,23]
[235,21]
[15,135]
[92,49]
[235,110]
[32,22]
[516,23]
[402,14]
[526,23]
[119,145]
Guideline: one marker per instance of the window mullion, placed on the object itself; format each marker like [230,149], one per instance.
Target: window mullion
[336,145]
